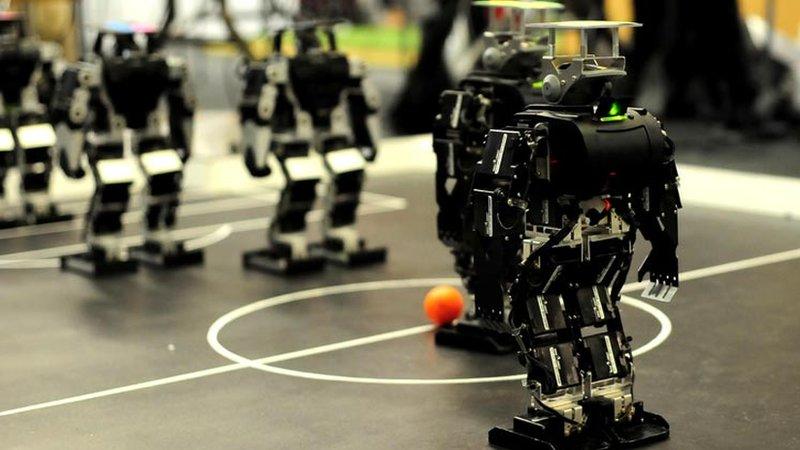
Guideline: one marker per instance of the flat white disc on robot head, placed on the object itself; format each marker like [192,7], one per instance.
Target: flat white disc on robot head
[346,160]
[583,25]
[161,162]
[6,140]
[520,4]
[116,171]
[36,136]
[304,168]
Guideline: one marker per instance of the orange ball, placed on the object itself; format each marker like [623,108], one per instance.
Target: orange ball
[443,304]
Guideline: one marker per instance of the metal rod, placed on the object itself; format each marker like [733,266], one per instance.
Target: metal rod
[615,42]
[584,44]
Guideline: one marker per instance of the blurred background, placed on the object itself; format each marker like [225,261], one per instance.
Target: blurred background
[722,74]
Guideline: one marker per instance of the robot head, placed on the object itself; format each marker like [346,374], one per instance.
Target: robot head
[580,79]
[12,27]
[508,34]
[308,36]
[125,39]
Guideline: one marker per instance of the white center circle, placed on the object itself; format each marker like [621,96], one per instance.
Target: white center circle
[264,364]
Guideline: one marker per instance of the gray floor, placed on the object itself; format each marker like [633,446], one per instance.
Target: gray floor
[724,379]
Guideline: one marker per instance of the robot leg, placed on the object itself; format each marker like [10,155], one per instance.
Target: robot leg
[35,162]
[7,161]
[107,254]
[289,251]
[479,262]
[579,362]
[163,170]
[473,332]
[341,243]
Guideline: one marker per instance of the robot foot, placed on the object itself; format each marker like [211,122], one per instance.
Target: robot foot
[643,428]
[94,264]
[276,261]
[474,335]
[51,215]
[11,223]
[153,254]
[333,250]
[541,430]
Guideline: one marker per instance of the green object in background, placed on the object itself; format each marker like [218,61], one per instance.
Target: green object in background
[537,85]
[617,118]
[378,37]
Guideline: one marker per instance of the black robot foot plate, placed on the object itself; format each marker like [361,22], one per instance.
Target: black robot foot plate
[544,431]
[90,264]
[39,219]
[155,257]
[271,261]
[362,257]
[474,335]
[52,218]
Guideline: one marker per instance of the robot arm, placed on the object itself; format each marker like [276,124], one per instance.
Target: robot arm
[71,109]
[181,105]
[500,187]
[256,111]
[46,79]
[363,103]
[657,217]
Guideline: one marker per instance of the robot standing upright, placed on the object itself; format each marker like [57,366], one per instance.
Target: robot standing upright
[566,186]
[27,139]
[507,78]
[317,114]
[127,98]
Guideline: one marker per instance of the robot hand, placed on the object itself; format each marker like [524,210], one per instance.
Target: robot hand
[256,170]
[662,265]
[75,171]
[369,153]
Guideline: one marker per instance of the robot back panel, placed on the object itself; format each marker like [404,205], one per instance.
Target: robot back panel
[323,77]
[135,86]
[18,63]
[589,156]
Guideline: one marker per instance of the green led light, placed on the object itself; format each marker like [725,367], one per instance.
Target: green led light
[614,110]
[616,118]
[537,84]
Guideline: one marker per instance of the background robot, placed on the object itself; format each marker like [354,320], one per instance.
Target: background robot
[315,105]
[567,186]
[127,96]
[507,78]
[27,138]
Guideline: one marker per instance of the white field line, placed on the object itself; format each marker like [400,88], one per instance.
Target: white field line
[187,233]
[136,215]
[212,336]
[221,369]
[687,276]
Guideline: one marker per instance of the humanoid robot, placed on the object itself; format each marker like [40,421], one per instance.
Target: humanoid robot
[27,139]
[564,189]
[127,98]
[317,114]
[507,78]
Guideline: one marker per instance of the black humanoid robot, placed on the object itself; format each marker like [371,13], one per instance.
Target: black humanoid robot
[27,139]
[124,99]
[316,114]
[565,188]
[507,78]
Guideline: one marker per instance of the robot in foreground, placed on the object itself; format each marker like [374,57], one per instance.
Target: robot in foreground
[127,98]
[317,115]
[567,186]
[27,139]
[507,78]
